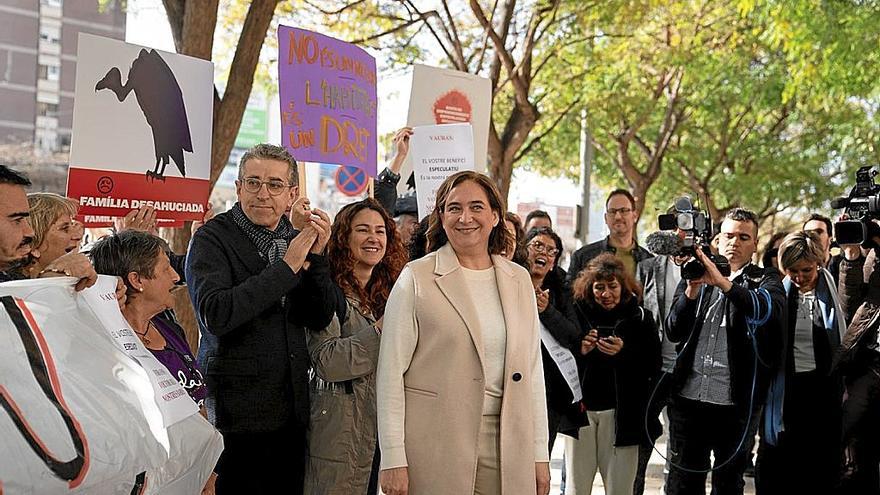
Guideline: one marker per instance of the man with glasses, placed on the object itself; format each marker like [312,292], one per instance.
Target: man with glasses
[256,285]
[621,218]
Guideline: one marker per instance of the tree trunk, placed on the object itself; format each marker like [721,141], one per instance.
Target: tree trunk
[192,26]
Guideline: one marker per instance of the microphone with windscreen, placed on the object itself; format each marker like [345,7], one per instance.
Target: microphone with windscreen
[664,243]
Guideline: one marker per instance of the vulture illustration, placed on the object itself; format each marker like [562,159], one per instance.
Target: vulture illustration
[161,100]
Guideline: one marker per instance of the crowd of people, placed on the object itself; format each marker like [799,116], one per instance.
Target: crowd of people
[448,355]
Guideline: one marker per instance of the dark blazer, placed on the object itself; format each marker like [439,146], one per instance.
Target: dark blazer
[582,256]
[253,348]
[685,323]
[651,273]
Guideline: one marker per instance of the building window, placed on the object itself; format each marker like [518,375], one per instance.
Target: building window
[51,3]
[51,34]
[47,109]
[49,72]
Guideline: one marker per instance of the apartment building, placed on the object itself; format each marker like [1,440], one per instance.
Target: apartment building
[38,64]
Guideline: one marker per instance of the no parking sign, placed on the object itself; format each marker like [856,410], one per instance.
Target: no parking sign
[351,181]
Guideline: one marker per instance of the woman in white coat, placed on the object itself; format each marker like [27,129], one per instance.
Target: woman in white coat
[460,387]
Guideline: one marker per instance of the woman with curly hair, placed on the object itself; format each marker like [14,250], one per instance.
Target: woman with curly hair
[620,361]
[367,255]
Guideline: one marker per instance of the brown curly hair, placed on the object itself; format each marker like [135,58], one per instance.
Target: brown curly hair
[372,298]
[499,238]
[605,268]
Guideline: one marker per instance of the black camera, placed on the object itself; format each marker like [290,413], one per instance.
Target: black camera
[696,228]
[861,206]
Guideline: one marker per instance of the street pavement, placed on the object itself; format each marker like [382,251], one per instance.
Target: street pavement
[654,478]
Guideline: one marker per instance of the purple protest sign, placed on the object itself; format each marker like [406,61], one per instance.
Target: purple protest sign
[327,89]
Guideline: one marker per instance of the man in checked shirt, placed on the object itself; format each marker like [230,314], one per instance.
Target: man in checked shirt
[713,397]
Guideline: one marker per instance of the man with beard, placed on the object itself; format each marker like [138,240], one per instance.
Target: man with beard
[16,237]
[621,218]
[718,380]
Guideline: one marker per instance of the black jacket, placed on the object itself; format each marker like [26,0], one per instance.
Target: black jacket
[559,319]
[636,366]
[253,349]
[582,256]
[685,324]
[861,304]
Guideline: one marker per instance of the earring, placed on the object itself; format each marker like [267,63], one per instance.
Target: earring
[140,289]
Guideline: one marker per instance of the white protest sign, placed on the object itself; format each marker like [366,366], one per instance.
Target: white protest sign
[445,96]
[438,151]
[142,125]
[78,415]
[173,401]
[564,360]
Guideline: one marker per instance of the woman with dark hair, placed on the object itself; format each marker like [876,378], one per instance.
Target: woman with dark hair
[560,334]
[367,255]
[141,261]
[418,244]
[770,258]
[516,252]
[803,410]
[461,396]
[620,362]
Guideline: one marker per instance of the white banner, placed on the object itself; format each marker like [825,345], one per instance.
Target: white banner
[173,401]
[78,414]
[438,151]
[565,361]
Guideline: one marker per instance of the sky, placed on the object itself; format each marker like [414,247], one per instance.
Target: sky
[147,25]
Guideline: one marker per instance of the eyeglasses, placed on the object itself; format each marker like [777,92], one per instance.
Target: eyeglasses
[275,187]
[614,211]
[540,247]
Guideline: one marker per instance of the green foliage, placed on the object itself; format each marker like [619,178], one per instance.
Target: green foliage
[758,127]
[767,104]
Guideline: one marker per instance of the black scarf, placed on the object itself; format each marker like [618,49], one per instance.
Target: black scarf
[272,244]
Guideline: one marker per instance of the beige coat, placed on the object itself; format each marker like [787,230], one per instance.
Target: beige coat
[431,382]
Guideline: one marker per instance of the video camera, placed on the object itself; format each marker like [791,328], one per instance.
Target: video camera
[861,206]
[684,231]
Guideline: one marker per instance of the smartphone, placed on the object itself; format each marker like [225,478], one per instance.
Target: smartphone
[604,331]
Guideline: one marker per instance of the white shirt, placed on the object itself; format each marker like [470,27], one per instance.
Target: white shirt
[804,354]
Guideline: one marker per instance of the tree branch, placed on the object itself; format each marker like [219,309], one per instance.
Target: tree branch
[229,111]
[537,139]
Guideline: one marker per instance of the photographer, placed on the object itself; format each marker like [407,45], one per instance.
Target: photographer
[859,361]
[717,382]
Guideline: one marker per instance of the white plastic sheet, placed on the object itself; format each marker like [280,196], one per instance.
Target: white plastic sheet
[77,413]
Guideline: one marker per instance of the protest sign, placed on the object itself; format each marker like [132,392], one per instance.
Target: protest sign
[152,147]
[437,152]
[327,90]
[79,414]
[444,96]
[173,401]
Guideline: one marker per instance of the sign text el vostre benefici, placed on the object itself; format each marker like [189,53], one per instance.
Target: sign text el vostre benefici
[110,202]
